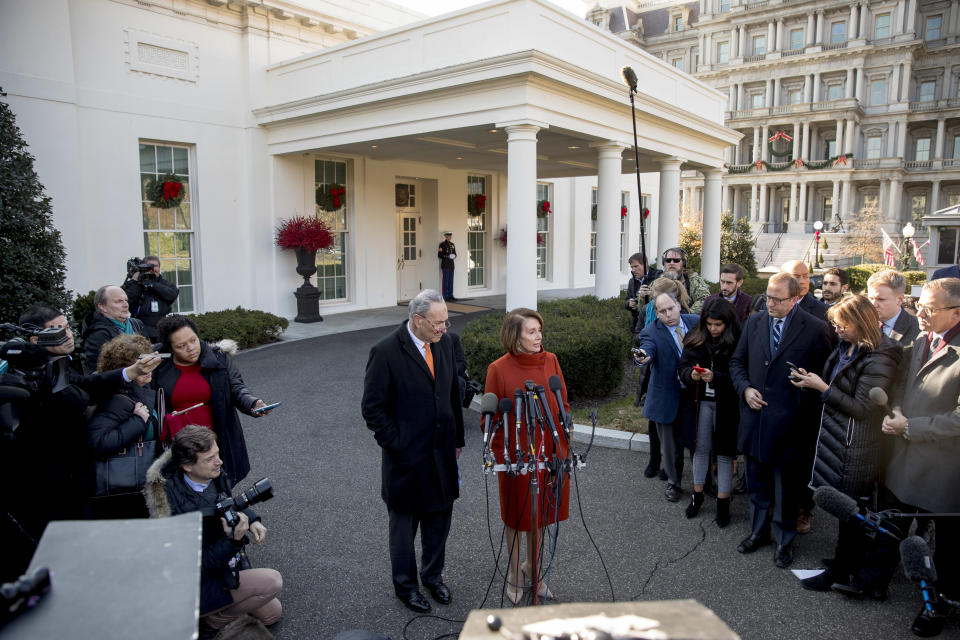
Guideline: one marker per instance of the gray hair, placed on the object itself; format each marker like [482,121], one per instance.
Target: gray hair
[949,286]
[422,302]
[100,297]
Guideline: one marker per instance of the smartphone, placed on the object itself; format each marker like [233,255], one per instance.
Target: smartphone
[699,369]
[266,408]
[792,366]
[147,356]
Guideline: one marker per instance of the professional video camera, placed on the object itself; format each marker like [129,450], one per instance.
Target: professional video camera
[27,367]
[25,593]
[227,506]
[136,265]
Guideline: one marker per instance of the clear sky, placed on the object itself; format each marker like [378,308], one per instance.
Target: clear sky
[436,7]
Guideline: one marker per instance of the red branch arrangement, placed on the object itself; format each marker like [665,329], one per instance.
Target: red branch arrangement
[623,212]
[301,232]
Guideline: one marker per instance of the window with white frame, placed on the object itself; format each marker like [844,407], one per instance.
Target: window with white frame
[932,31]
[794,96]
[928,90]
[477,232]
[543,233]
[796,38]
[593,231]
[677,63]
[838,32]
[678,23]
[168,233]
[922,152]
[878,91]
[759,45]
[756,100]
[918,209]
[835,91]
[831,148]
[724,6]
[956,147]
[881,26]
[723,52]
[874,146]
[826,206]
[871,200]
[332,262]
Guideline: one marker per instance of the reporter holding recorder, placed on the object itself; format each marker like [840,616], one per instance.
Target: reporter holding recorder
[848,447]
[200,373]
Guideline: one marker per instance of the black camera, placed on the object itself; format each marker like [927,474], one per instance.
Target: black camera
[23,594]
[136,265]
[227,506]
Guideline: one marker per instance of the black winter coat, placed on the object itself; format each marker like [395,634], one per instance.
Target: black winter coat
[848,446]
[97,331]
[227,395]
[141,294]
[115,426]
[637,322]
[728,405]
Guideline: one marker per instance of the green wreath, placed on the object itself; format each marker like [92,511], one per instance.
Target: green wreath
[166,192]
[330,197]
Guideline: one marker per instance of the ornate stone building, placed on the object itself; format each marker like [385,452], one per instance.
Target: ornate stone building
[842,106]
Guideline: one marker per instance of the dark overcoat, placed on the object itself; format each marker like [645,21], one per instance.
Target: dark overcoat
[417,421]
[788,423]
[97,331]
[228,394]
[848,446]
[905,329]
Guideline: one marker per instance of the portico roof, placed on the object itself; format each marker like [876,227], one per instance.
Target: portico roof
[442,90]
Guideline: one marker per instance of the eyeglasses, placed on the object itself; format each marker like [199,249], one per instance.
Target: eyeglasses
[776,300]
[930,310]
[439,324]
[667,260]
[838,327]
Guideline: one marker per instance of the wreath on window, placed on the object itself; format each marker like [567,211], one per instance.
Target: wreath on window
[476,204]
[543,208]
[779,144]
[166,192]
[330,197]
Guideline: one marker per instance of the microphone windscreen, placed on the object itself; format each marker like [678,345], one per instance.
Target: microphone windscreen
[506,405]
[630,77]
[555,383]
[488,403]
[837,504]
[878,396]
[917,564]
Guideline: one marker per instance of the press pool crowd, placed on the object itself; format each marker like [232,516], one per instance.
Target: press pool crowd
[853,399]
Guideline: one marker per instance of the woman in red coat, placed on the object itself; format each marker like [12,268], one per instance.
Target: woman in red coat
[521,336]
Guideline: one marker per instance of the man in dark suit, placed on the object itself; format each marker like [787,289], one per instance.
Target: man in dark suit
[953,271]
[661,343]
[731,279]
[886,289]
[778,422]
[411,402]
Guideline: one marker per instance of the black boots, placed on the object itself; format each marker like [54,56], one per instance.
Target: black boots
[696,501]
[723,512]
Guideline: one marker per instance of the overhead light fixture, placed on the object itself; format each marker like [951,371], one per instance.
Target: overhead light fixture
[459,157]
[493,130]
[573,146]
[373,146]
[447,141]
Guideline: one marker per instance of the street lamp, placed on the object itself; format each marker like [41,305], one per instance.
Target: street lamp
[817,226]
[907,233]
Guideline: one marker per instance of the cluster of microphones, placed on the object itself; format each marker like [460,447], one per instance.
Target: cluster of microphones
[531,412]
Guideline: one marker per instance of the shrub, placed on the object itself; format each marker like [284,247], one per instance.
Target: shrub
[914,277]
[590,337]
[248,327]
[754,285]
[82,307]
[736,243]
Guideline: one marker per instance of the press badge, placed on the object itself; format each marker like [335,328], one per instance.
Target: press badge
[709,391]
[154,306]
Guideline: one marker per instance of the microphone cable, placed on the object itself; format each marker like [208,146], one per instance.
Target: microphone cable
[576,484]
[430,615]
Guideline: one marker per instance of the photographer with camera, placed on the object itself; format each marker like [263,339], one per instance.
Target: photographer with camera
[111,318]
[188,478]
[148,294]
[44,431]
[638,289]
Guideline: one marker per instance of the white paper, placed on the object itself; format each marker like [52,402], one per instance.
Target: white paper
[803,574]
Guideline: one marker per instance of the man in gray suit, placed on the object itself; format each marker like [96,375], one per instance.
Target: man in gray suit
[886,289]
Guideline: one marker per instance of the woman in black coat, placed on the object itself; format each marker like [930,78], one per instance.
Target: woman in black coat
[121,421]
[203,374]
[710,411]
[848,446]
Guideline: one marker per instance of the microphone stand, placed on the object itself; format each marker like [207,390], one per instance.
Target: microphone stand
[534,490]
[636,164]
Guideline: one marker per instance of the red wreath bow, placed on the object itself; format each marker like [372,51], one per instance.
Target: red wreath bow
[841,160]
[171,190]
[481,202]
[759,165]
[779,135]
[798,163]
[623,212]
[546,206]
[335,193]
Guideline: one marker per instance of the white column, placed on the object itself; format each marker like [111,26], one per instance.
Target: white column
[763,143]
[796,140]
[938,144]
[741,97]
[756,145]
[737,214]
[816,87]
[521,217]
[609,168]
[753,209]
[732,97]
[763,206]
[907,81]
[901,139]
[864,20]
[743,41]
[849,140]
[934,196]
[707,57]
[776,92]
[701,48]
[895,84]
[734,42]
[897,27]
[771,35]
[838,148]
[805,149]
[911,15]
[807,86]
[858,94]
[896,195]
[890,150]
[710,268]
[808,35]
[801,215]
[852,23]
[792,211]
[669,218]
[835,198]
[848,85]
[819,39]
[779,43]
[725,198]
[847,200]
[768,98]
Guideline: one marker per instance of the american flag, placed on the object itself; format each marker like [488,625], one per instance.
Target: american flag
[888,248]
[916,250]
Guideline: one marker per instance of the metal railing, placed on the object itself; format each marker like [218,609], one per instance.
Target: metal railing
[757,58]
[834,46]
[791,52]
[913,165]
[773,249]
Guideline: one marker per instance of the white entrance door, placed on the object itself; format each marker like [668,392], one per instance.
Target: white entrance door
[409,254]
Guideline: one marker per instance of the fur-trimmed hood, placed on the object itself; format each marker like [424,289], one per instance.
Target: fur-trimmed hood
[154,490]
[227,346]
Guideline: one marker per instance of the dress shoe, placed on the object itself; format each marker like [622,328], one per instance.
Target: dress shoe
[415,602]
[543,592]
[651,470]
[440,593]
[784,556]
[803,522]
[857,590]
[927,623]
[672,493]
[823,581]
[751,543]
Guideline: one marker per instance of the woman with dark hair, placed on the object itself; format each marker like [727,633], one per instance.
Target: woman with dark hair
[848,447]
[711,409]
[202,380]
[124,419]
[521,336]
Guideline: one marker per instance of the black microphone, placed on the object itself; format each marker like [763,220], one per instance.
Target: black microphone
[845,509]
[879,397]
[532,423]
[557,386]
[630,77]
[548,415]
[488,407]
[918,567]
[506,406]
[518,413]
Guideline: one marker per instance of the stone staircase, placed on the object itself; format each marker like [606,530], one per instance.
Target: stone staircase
[791,246]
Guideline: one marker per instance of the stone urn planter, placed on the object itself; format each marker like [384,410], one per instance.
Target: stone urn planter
[305,236]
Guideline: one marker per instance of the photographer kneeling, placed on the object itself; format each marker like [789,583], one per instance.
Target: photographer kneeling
[187,478]
[148,294]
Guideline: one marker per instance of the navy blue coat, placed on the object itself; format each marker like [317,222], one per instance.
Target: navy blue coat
[663,390]
[789,423]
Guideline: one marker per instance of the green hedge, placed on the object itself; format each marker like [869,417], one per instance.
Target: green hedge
[248,327]
[751,285]
[859,274]
[590,337]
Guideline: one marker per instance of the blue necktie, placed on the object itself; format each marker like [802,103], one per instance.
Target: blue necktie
[777,333]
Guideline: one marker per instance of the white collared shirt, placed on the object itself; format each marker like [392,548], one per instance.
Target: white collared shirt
[417,341]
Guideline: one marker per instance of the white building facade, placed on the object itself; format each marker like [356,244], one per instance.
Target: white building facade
[257,106]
